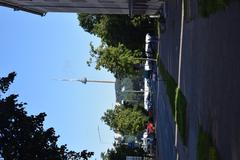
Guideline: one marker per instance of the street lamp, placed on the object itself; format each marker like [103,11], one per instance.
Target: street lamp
[149,59]
[132,91]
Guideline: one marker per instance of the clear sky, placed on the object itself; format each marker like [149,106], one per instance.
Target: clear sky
[42,48]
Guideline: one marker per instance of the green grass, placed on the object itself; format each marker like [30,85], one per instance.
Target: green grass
[177,100]
[171,85]
[205,147]
[208,7]
[180,106]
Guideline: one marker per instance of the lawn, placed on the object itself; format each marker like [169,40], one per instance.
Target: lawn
[205,147]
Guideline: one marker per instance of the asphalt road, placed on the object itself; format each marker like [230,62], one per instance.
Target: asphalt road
[164,125]
[168,47]
[210,80]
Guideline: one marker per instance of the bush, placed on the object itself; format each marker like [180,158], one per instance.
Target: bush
[208,7]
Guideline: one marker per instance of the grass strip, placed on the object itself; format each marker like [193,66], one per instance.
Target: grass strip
[209,7]
[177,100]
[180,105]
[205,147]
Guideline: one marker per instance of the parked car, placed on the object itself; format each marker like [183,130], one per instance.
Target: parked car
[148,65]
[147,93]
[151,43]
[147,74]
[147,141]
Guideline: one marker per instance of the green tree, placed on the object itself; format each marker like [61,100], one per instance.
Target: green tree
[127,120]
[88,21]
[71,155]
[6,81]
[120,152]
[115,29]
[118,60]
[22,136]
[104,156]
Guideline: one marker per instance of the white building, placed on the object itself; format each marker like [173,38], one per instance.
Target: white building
[41,7]
[133,158]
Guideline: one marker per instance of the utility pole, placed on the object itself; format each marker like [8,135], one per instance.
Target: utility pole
[132,91]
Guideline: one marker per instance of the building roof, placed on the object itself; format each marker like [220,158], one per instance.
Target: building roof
[41,7]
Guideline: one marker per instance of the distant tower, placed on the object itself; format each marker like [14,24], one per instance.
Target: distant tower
[85,80]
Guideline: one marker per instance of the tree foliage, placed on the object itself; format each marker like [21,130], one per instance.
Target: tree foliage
[118,60]
[88,22]
[126,120]
[115,29]
[71,155]
[6,81]
[22,136]
[120,152]
[122,40]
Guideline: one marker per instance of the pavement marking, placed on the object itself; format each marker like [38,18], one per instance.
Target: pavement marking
[180,46]
[179,77]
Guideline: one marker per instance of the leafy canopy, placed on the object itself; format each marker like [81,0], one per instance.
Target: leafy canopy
[122,40]
[115,29]
[126,120]
[22,136]
[119,60]
[120,152]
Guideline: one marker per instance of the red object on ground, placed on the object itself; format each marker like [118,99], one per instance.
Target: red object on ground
[150,128]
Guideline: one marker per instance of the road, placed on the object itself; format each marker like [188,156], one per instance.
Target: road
[210,80]
[164,125]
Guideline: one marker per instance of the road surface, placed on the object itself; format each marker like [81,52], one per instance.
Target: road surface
[210,79]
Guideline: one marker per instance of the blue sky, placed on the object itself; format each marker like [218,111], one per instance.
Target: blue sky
[42,48]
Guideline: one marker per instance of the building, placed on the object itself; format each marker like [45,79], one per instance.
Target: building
[133,158]
[41,7]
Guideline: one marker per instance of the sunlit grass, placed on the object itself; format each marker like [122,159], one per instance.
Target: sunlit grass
[180,107]
[205,147]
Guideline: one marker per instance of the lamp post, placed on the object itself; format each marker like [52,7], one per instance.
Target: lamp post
[149,59]
[132,91]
